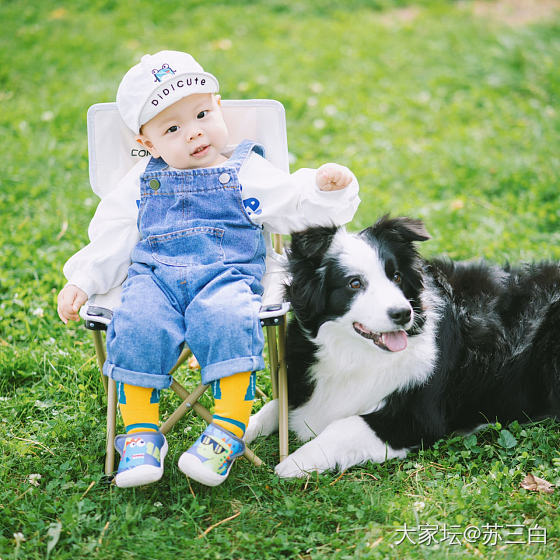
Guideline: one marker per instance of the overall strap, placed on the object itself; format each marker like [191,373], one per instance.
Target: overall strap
[155,164]
[242,152]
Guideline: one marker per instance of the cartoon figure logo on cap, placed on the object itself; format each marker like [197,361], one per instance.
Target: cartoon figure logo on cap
[163,72]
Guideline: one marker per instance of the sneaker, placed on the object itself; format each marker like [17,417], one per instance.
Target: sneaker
[209,460]
[142,455]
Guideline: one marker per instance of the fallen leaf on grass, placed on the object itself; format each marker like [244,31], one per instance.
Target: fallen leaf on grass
[53,535]
[536,484]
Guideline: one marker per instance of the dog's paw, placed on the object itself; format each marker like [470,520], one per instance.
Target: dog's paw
[307,459]
[263,423]
[253,431]
[288,468]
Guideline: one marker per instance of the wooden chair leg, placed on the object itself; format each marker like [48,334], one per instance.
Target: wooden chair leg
[111,423]
[271,335]
[101,355]
[110,388]
[282,393]
[185,407]
[185,353]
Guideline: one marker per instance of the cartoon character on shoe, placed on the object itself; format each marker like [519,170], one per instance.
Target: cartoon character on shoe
[209,460]
[142,456]
[217,453]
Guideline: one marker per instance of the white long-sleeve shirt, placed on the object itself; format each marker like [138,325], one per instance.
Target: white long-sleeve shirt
[276,200]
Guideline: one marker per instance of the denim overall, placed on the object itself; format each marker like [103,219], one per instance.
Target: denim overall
[195,277]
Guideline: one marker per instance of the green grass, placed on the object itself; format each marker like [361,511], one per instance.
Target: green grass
[441,114]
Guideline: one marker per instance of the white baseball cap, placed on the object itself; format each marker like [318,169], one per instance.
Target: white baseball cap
[158,81]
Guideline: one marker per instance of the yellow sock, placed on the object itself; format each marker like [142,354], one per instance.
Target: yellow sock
[233,399]
[139,408]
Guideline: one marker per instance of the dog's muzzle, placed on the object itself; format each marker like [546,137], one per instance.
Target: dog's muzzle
[392,341]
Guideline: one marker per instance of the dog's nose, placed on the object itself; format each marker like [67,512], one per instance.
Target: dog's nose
[400,315]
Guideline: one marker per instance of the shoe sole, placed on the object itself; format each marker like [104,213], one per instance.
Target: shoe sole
[142,475]
[194,468]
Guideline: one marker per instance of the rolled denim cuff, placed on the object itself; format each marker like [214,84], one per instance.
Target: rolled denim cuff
[229,367]
[137,378]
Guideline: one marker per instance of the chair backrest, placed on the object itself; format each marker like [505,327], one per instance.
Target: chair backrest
[113,150]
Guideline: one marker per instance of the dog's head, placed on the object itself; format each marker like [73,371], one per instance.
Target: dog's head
[367,283]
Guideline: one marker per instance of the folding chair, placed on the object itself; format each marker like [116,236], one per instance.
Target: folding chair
[113,151]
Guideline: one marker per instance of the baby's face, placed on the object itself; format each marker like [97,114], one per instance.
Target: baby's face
[189,134]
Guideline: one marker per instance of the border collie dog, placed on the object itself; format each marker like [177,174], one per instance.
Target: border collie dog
[388,351]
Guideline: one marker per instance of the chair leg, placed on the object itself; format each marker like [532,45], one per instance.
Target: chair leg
[111,426]
[111,392]
[271,335]
[185,407]
[185,353]
[101,356]
[282,392]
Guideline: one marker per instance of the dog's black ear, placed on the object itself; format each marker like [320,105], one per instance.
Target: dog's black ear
[408,229]
[311,244]
[306,288]
[412,229]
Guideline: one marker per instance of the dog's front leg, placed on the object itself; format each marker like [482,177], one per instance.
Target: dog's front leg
[264,422]
[343,443]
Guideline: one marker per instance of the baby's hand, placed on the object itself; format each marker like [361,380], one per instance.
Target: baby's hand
[70,299]
[333,177]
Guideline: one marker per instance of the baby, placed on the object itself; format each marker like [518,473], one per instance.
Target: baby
[184,230]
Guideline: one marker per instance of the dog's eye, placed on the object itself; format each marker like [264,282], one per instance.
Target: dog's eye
[397,278]
[355,283]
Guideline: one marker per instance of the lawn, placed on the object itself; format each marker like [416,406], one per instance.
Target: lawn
[446,111]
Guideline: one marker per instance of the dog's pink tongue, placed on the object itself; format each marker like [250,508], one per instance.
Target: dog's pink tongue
[395,341]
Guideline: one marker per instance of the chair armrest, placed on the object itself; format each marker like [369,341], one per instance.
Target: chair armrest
[272,315]
[98,310]
[97,318]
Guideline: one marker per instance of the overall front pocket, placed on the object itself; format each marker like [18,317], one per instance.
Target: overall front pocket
[188,247]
